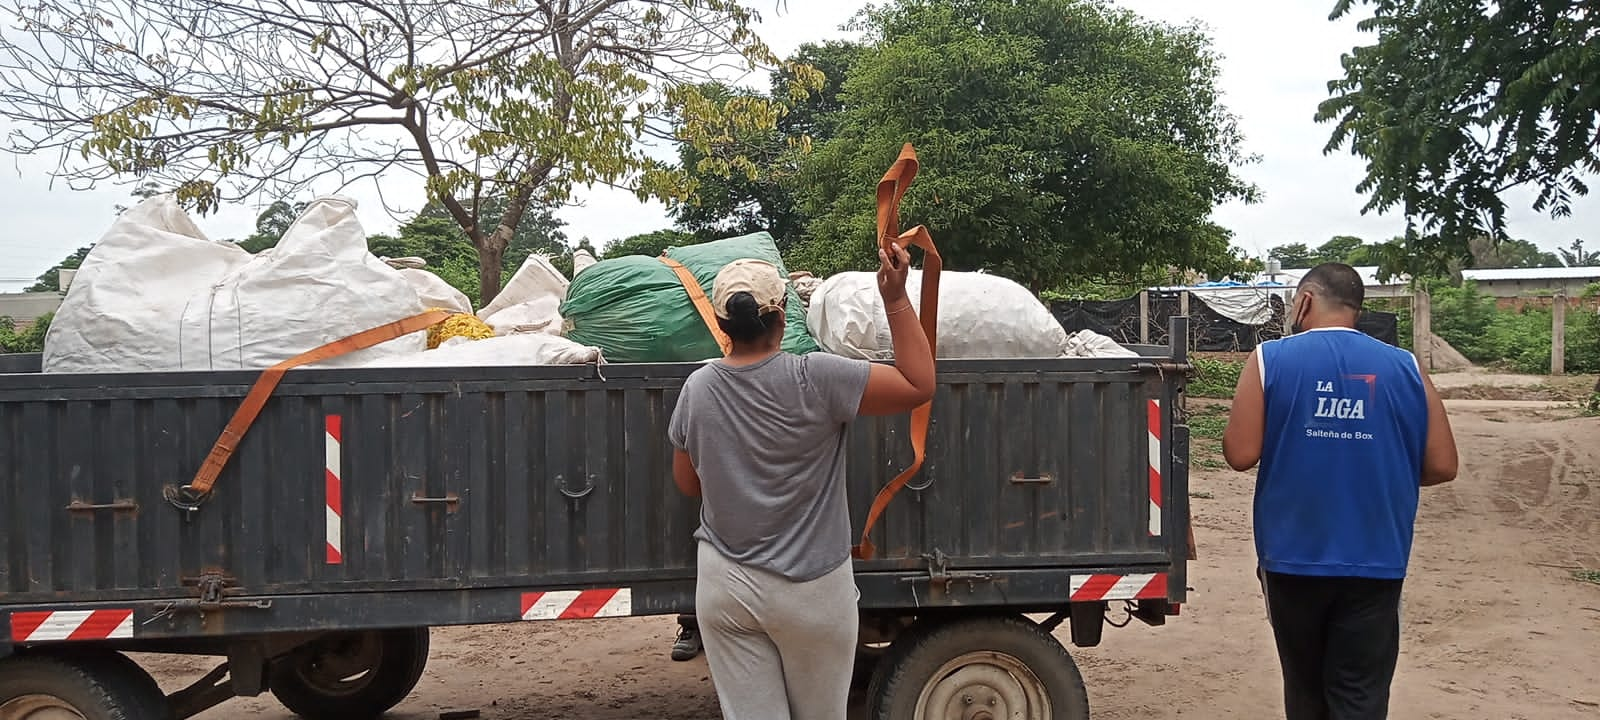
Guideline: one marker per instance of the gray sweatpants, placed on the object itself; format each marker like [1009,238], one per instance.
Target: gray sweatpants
[778,649]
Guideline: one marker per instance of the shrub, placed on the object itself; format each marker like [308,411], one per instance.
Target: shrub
[28,340]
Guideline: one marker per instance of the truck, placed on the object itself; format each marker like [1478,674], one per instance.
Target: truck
[365,506]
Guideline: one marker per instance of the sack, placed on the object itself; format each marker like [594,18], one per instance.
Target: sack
[535,279]
[435,292]
[155,295]
[1090,344]
[582,260]
[541,315]
[981,316]
[511,350]
[636,309]
[805,285]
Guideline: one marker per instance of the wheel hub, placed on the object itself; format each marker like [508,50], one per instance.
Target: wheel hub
[983,685]
[38,707]
[341,666]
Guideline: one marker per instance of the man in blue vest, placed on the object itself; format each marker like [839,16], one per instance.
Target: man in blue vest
[1346,430]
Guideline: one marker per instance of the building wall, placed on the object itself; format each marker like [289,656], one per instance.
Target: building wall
[24,308]
[1545,301]
[1526,288]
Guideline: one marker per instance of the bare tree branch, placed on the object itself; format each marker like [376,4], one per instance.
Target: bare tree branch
[226,99]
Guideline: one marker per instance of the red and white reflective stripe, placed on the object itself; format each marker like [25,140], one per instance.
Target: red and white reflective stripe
[577,604]
[1154,433]
[48,626]
[1091,588]
[335,500]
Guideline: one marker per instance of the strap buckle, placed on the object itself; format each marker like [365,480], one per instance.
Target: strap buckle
[185,498]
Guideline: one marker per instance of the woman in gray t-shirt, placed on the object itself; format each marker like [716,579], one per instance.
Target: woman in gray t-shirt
[760,435]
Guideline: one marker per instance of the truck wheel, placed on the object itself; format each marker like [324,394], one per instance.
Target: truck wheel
[351,675]
[992,668]
[78,686]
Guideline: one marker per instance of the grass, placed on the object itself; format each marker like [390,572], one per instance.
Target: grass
[1202,495]
[1206,423]
[1215,378]
[1588,576]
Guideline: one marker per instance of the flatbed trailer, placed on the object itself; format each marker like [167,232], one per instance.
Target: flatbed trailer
[365,506]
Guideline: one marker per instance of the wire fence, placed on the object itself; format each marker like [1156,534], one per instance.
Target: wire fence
[1144,320]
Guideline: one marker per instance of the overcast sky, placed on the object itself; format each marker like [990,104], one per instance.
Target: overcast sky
[1277,59]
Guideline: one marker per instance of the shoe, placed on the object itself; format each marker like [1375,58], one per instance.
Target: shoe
[687,645]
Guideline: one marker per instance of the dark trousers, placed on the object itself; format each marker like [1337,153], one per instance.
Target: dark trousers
[1338,641]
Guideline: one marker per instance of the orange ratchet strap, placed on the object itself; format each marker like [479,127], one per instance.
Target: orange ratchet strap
[891,189]
[702,304]
[256,399]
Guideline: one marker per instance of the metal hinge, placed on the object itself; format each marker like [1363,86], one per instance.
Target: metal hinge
[940,574]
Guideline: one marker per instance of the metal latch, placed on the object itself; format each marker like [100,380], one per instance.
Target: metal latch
[214,589]
[940,574]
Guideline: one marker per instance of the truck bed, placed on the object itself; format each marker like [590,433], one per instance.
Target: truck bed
[458,493]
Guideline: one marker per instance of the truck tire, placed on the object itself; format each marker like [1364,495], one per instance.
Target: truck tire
[99,685]
[350,675]
[989,668]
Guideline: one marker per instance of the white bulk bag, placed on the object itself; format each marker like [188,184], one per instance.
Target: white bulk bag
[980,317]
[155,295]
[512,350]
[538,315]
[126,303]
[434,292]
[531,301]
[537,278]
[582,260]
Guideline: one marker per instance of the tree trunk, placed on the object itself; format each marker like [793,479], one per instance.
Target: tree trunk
[492,251]
[491,258]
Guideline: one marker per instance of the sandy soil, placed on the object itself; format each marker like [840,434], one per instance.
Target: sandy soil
[1496,624]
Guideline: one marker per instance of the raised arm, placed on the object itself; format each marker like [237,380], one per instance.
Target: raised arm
[910,381]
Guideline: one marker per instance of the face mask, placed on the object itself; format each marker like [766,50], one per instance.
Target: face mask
[1297,326]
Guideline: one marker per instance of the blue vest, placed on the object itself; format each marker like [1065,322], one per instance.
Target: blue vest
[1341,463]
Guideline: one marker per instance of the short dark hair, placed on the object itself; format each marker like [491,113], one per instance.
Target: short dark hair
[1337,282]
[745,323]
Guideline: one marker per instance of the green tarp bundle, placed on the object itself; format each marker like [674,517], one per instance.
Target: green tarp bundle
[635,309]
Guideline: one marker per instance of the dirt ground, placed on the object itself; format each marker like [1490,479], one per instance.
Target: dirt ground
[1498,623]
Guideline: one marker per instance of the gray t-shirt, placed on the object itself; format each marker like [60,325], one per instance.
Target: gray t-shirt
[768,441]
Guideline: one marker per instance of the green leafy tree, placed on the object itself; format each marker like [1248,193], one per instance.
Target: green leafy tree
[1294,256]
[1059,139]
[481,98]
[1509,253]
[540,231]
[650,244]
[50,281]
[739,198]
[271,225]
[1456,102]
[1340,248]
[1576,256]
[436,238]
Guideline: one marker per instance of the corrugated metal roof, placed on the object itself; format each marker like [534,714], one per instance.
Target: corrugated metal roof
[1555,273]
[1369,276]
